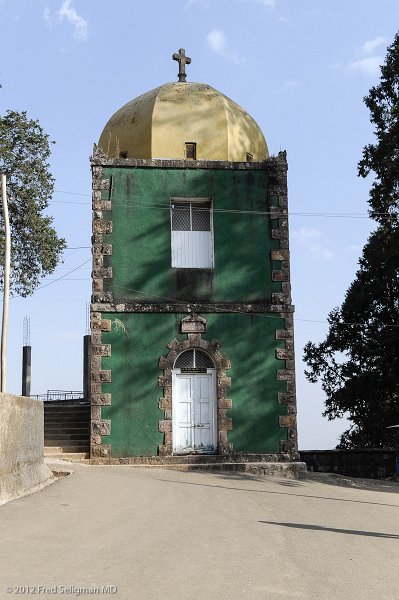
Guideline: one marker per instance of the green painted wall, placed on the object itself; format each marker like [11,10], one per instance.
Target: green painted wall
[141,258]
[139,340]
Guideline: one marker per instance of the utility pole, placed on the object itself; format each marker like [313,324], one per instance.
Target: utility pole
[26,358]
[6,292]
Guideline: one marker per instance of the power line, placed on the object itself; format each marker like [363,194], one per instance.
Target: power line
[164,206]
[77,247]
[175,301]
[71,193]
[68,202]
[63,276]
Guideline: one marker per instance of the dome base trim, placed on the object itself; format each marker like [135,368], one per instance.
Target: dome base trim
[100,158]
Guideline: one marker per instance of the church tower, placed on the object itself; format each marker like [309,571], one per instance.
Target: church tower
[192,321]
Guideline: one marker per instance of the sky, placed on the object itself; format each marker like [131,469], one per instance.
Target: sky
[299,67]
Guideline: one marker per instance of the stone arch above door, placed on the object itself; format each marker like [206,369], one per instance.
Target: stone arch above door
[194,326]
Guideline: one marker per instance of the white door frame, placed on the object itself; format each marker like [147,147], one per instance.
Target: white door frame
[213,414]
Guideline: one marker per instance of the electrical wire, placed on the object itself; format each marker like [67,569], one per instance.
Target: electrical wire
[65,275]
[175,301]
[163,206]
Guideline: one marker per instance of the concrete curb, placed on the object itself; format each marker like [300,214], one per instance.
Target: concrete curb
[25,480]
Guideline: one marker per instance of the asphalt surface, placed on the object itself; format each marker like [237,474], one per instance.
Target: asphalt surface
[152,534]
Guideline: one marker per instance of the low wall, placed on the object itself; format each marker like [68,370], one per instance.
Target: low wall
[22,469]
[373,463]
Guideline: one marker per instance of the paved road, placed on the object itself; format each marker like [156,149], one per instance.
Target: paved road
[162,534]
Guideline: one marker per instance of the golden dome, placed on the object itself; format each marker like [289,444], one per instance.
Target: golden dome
[162,122]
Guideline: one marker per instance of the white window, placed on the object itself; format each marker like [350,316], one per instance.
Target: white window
[192,233]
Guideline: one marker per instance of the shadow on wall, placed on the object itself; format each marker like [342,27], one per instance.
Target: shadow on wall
[139,340]
[22,469]
[141,257]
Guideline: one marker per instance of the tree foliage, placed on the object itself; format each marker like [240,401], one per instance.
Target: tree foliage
[35,247]
[382,157]
[358,362]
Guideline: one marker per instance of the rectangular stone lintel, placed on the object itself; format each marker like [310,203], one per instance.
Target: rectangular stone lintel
[225,403]
[280,234]
[165,426]
[285,375]
[102,427]
[284,354]
[282,334]
[101,400]
[101,350]
[95,412]
[95,362]
[101,376]
[287,421]
[224,381]
[102,205]
[105,376]
[280,275]
[101,226]
[225,423]
[106,325]
[283,254]
[164,381]
[165,403]
[284,398]
[104,184]
[281,298]
[102,272]
[193,327]
[98,286]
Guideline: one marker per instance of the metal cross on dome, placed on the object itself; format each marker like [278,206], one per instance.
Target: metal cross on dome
[182,60]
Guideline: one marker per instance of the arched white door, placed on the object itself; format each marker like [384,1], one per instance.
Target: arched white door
[194,408]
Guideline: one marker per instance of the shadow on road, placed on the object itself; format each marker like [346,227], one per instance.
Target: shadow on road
[298,495]
[376,534]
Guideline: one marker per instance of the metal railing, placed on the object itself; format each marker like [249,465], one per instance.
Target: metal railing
[58,395]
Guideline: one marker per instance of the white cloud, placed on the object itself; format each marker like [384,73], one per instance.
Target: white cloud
[207,3]
[292,84]
[268,3]
[311,240]
[218,43]
[307,233]
[369,65]
[80,25]
[217,40]
[354,248]
[366,63]
[47,17]
[371,45]
[191,3]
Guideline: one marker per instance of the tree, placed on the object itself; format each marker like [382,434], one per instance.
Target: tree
[35,247]
[358,362]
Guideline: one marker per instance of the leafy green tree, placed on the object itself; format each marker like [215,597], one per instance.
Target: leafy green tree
[358,362]
[35,247]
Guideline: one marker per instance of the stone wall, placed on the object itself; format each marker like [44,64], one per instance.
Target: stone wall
[374,463]
[22,469]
